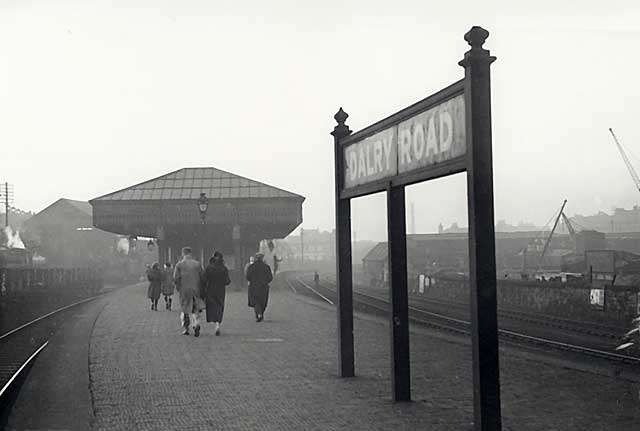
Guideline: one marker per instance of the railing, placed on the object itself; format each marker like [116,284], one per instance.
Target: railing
[26,293]
[23,280]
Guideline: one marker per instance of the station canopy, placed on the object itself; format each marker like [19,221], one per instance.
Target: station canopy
[169,202]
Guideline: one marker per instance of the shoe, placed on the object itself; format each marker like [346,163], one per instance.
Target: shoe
[185,332]
[196,331]
[260,318]
[218,332]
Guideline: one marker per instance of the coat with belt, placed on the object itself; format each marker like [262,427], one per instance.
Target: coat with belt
[155,281]
[167,282]
[187,277]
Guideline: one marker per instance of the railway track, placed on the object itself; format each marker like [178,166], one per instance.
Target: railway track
[448,323]
[20,347]
[540,319]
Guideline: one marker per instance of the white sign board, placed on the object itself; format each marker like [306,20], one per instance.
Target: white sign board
[596,297]
[426,139]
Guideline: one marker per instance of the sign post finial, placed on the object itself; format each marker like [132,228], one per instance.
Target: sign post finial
[476,36]
[341,130]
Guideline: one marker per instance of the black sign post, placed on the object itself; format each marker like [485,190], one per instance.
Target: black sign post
[482,253]
[399,295]
[446,133]
[344,287]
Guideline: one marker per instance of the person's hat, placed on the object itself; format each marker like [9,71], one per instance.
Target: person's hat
[259,256]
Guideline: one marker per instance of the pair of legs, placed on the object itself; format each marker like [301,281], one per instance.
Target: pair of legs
[167,302]
[215,310]
[194,321]
[154,304]
[217,327]
[258,309]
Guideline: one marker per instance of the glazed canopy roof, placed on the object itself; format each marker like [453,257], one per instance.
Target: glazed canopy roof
[169,203]
[188,183]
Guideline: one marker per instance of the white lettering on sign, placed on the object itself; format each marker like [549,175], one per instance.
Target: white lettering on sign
[371,159]
[433,136]
[428,138]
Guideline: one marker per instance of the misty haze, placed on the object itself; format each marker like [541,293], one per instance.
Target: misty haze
[341,215]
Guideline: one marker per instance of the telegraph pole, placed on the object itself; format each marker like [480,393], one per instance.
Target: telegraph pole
[302,245]
[7,193]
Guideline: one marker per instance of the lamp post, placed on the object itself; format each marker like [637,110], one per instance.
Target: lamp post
[203,204]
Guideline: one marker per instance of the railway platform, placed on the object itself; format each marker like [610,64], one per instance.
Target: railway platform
[115,364]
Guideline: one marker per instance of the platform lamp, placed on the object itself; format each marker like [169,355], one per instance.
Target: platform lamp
[203,204]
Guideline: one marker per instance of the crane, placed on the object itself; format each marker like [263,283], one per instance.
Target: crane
[630,168]
[572,231]
[555,224]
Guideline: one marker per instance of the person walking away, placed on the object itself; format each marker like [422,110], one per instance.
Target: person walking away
[259,276]
[215,281]
[276,264]
[316,279]
[154,275]
[168,286]
[246,267]
[187,278]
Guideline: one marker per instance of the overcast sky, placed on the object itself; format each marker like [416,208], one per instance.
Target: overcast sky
[99,95]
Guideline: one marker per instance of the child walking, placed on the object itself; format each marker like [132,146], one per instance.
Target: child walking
[168,286]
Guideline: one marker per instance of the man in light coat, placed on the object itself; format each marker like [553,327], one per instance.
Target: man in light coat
[187,277]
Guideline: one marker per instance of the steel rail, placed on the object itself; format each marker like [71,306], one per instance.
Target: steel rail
[15,375]
[540,319]
[19,328]
[503,332]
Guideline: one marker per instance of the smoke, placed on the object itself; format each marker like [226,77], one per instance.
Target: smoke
[13,238]
[123,245]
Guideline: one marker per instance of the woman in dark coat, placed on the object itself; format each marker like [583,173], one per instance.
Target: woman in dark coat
[154,275]
[214,282]
[259,276]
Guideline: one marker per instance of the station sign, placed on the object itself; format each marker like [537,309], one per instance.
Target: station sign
[446,133]
[423,140]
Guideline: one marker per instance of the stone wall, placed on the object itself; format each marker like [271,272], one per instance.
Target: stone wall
[570,301]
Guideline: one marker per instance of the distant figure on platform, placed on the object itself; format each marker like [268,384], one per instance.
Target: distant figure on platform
[214,282]
[246,267]
[146,271]
[276,264]
[187,277]
[154,275]
[167,285]
[316,279]
[259,276]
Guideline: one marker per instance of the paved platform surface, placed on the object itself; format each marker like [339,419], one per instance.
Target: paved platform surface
[142,374]
[281,375]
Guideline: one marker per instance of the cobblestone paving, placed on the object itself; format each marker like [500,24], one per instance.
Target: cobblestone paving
[281,375]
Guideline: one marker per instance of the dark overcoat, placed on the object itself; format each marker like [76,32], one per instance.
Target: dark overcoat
[167,282]
[259,276]
[214,282]
[155,283]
